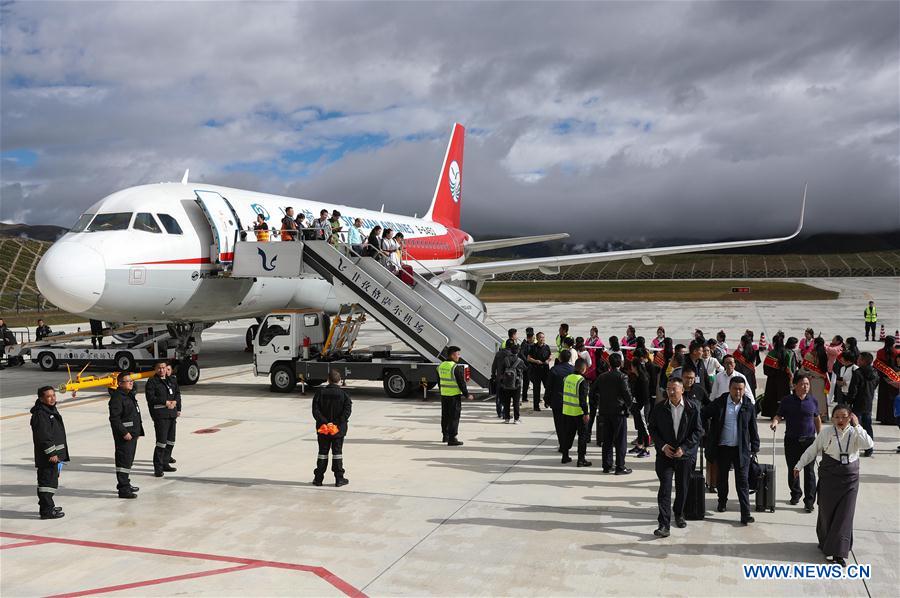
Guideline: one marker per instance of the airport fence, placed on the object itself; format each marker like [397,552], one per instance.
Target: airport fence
[19,302]
[713,266]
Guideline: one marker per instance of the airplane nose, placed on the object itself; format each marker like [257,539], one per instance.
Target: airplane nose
[71,276]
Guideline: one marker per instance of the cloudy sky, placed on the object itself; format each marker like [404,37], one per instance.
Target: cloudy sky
[608,120]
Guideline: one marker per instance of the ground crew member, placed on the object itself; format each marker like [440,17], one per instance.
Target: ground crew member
[871,316]
[125,421]
[539,369]
[331,405]
[575,414]
[42,331]
[96,334]
[453,389]
[163,411]
[50,450]
[563,333]
[172,381]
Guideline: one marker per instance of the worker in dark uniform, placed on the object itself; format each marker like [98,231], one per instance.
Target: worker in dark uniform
[42,331]
[575,413]
[125,421]
[163,411]
[96,334]
[172,381]
[524,350]
[539,369]
[453,388]
[50,450]
[331,405]
[288,225]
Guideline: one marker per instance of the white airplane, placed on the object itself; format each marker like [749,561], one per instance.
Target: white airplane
[155,253]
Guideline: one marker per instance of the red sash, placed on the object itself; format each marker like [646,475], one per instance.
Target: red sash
[659,359]
[771,362]
[808,365]
[739,357]
[887,370]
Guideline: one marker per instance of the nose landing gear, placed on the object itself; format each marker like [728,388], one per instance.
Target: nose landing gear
[186,368]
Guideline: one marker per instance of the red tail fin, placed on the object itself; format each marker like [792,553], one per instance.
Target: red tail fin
[447,199]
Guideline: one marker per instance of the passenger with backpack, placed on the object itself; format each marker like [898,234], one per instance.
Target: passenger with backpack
[508,372]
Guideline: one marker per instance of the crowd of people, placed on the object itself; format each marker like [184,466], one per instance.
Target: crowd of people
[382,243]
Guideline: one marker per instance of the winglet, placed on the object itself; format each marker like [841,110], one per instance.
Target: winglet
[802,210]
[184,179]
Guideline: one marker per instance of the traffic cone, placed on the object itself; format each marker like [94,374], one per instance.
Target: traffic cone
[881,336]
[763,345]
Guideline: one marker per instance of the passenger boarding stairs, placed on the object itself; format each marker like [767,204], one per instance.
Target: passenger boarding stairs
[419,314]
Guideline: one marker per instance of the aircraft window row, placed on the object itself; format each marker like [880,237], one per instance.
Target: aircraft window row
[144,222]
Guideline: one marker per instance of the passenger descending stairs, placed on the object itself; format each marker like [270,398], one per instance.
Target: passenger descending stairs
[420,315]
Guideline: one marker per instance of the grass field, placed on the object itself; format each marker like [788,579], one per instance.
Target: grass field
[652,290]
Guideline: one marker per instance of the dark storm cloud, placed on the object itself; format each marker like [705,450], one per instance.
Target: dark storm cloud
[607,120]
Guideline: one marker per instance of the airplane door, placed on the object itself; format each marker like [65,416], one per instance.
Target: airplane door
[224,222]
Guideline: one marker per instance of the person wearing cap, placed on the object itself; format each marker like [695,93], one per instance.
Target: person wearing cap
[50,450]
[524,349]
[127,427]
[452,380]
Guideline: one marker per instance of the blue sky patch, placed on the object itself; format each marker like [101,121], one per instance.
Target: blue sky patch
[22,157]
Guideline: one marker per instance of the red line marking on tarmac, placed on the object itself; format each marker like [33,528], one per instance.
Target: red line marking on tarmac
[151,582]
[321,572]
[23,544]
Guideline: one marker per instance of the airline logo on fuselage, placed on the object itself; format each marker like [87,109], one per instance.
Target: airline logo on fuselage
[260,210]
[453,179]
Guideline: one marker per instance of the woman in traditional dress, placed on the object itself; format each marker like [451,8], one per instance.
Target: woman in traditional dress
[839,446]
[815,363]
[885,365]
[777,367]
[746,358]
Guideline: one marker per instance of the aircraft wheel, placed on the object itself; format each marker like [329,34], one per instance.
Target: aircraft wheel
[282,378]
[47,361]
[188,372]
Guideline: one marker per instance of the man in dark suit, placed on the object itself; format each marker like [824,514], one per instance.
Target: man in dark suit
[733,439]
[676,430]
[612,397]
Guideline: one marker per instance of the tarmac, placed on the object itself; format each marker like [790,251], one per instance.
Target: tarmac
[498,516]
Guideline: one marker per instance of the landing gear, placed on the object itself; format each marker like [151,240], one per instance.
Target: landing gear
[185,364]
[396,385]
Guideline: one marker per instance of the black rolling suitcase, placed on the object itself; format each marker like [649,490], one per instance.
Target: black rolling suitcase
[695,503]
[765,484]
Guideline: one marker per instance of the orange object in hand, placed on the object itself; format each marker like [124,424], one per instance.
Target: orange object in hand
[333,429]
[323,429]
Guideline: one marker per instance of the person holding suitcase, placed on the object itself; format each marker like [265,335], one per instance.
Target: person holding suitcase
[800,412]
[733,439]
[676,431]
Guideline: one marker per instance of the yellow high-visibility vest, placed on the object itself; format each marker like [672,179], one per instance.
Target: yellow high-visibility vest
[871,314]
[449,387]
[571,403]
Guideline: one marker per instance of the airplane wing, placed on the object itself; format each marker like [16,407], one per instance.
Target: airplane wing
[477,246]
[551,265]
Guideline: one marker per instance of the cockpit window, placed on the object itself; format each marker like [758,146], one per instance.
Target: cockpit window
[146,223]
[106,222]
[82,223]
[170,224]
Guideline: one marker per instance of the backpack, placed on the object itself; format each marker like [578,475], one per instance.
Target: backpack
[509,379]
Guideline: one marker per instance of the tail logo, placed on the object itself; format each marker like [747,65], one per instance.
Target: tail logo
[271,265]
[454,180]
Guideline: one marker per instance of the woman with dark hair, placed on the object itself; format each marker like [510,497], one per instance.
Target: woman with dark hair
[662,359]
[640,384]
[746,358]
[629,338]
[777,367]
[889,374]
[806,343]
[373,244]
[614,346]
[815,363]
[850,345]
[839,446]
[659,339]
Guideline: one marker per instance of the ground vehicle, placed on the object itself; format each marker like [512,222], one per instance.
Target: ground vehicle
[302,345]
[145,348]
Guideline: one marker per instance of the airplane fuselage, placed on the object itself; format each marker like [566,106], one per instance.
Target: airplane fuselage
[130,274]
